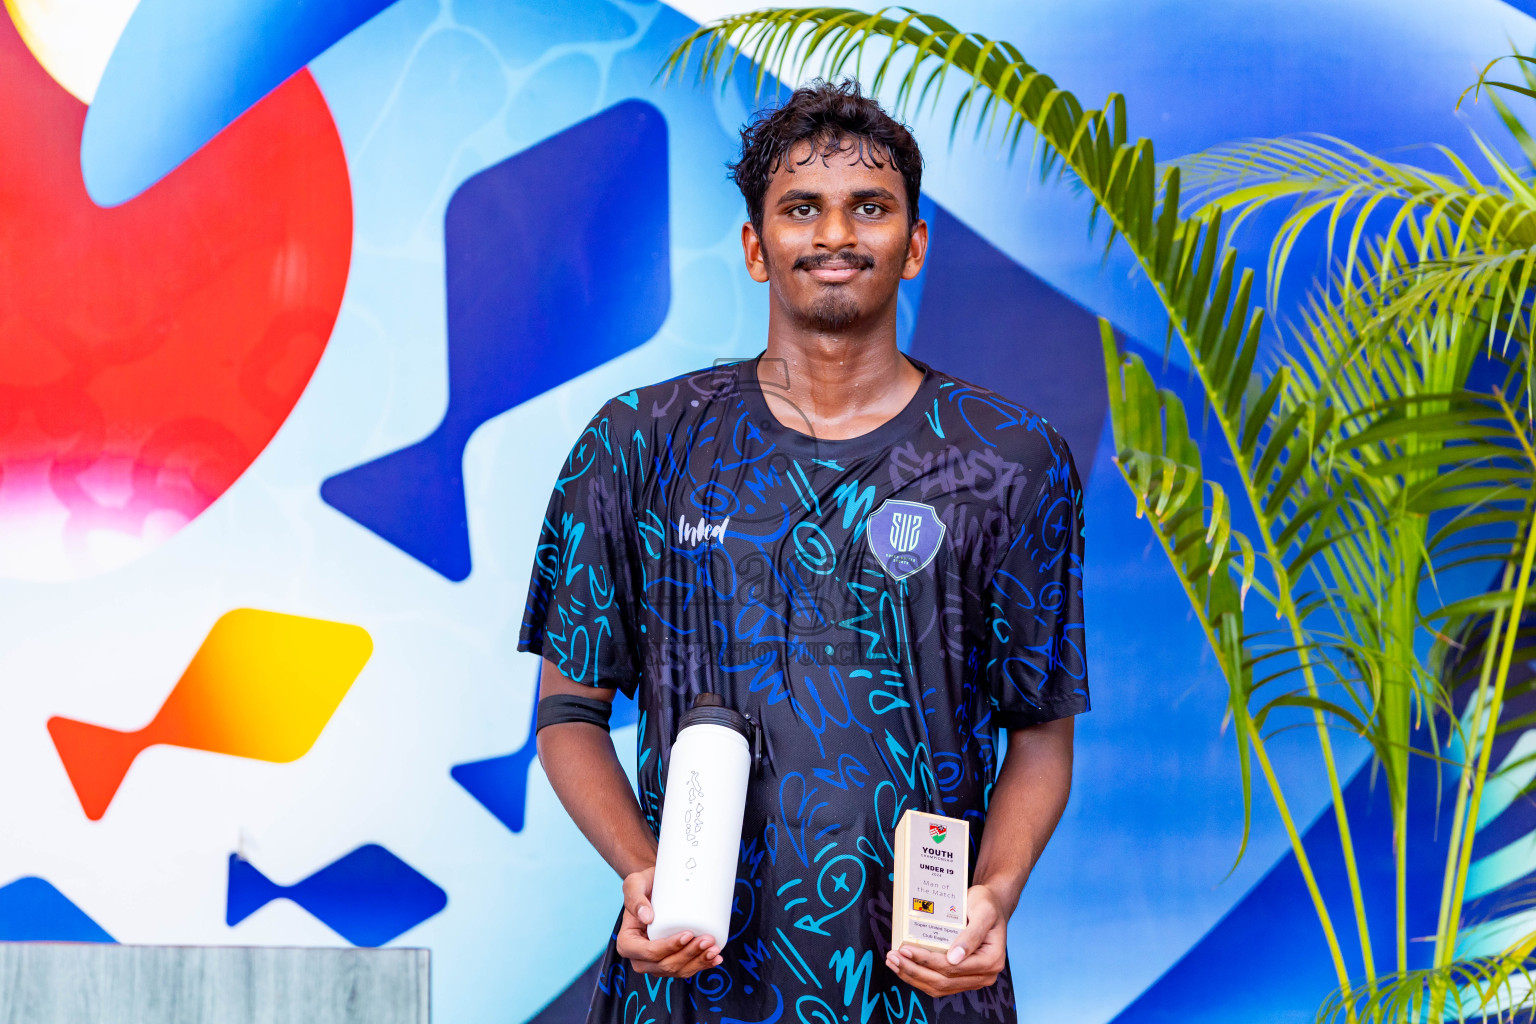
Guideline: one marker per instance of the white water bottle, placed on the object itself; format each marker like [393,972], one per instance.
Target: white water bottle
[700,843]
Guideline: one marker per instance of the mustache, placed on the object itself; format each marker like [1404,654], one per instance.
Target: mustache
[836,261]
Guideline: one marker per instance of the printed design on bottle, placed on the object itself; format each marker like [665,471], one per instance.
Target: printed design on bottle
[693,819]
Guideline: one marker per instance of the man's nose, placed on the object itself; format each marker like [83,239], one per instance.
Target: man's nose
[834,230]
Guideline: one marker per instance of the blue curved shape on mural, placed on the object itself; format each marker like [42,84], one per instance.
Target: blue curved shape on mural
[500,784]
[1267,959]
[32,910]
[368,897]
[1004,311]
[184,69]
[558,260]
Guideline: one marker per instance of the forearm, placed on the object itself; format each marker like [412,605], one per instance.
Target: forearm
[585,773]
[1026,803]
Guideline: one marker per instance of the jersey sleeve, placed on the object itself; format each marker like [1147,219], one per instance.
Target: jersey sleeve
[1037,668]
[580,614]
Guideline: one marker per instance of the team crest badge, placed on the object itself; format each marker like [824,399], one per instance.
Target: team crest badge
[904,536]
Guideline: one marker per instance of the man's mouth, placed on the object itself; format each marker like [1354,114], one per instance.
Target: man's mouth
[834,269]
[834,274]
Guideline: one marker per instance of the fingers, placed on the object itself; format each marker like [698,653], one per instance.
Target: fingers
[983,961]
[685,963]
[633,942]
[935,974]
[930,972]
[637,895]
[673,949]
[682,955]
[679,956]
[693,957]
[973,960]
[923,978]
[980,918]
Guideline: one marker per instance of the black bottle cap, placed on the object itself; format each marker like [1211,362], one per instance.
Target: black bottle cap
[710,709]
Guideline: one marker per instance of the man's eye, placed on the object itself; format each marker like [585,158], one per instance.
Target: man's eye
[802,210]
[869,209]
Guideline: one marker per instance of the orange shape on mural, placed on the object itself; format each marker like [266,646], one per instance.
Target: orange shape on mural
[263,685]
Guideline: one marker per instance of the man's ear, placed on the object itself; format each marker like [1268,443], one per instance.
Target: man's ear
[752,251]
[917,251]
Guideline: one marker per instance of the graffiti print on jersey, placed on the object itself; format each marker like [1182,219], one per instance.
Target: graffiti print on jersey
[694,543]
[904,536]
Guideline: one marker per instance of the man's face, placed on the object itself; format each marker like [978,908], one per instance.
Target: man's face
[835,240]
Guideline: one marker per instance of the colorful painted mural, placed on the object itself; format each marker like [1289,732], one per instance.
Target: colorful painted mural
[302,309]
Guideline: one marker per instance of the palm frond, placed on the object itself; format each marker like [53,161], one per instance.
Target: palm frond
[1490,988]
[1434,217]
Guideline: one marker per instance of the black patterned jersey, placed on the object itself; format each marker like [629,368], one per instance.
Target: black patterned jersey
[882,605]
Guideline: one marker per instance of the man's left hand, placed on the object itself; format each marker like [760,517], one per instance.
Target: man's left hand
[975,959]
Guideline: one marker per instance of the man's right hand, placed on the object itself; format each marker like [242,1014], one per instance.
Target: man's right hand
[581,765]
[676,956]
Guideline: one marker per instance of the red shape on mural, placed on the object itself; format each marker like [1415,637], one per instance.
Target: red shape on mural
[148,352]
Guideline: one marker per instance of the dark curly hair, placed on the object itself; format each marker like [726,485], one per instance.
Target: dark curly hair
[830,117]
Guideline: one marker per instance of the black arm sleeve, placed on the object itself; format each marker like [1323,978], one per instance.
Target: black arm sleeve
[567,707]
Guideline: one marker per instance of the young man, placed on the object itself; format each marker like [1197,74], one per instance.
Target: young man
[879,563]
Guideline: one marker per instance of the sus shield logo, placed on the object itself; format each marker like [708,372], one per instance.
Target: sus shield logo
[904,536]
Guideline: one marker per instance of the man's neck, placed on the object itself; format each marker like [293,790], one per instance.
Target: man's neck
[842,384]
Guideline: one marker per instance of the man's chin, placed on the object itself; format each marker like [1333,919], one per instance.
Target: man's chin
[832,314]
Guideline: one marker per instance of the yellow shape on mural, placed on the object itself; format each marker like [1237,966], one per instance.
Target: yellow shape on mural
[263,685]
[72,39]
